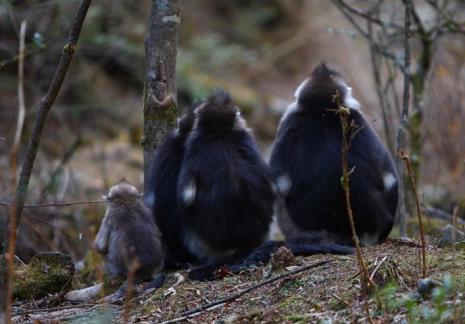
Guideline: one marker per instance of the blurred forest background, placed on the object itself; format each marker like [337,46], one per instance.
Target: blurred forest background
[258,50]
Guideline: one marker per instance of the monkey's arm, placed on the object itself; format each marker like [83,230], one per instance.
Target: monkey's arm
[103,236]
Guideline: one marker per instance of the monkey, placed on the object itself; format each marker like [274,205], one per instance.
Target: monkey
[225,191]
[160,193]
[128,236]
[129,241]
[307,169]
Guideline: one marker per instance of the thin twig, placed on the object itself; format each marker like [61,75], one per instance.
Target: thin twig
[5,203]
[381,50]
[341,300]
[404,117]
[368,14]
[11,238]
[45,105]
[455,216]
[135,264]
[198,310]
[348,131]
[53,309]
[406,159]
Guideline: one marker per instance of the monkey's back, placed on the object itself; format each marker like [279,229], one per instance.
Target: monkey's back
[134,238]
[162,184]
[232,209]
[308,151]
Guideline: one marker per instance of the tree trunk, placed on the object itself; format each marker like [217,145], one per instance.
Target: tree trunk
[160,100]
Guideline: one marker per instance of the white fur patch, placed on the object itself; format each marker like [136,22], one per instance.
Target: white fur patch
[149,199]
[349,101]
[198,247]
[84,294]
[239,122]
[189,193]
[389,180]
[283,184]
[300,88]
[367,239]
[275,233]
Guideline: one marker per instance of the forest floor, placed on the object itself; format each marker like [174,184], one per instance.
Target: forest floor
[329,292]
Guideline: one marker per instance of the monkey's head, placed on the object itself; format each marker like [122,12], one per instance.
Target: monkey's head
[325,89]
[122,193]
[217,111]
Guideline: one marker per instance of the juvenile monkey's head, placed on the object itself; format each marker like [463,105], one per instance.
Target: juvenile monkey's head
[217,112]
[325,89]
[122,193]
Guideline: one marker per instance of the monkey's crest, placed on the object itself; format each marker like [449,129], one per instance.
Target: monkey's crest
[325,89]
[219,98]
[217,111]
[122,193]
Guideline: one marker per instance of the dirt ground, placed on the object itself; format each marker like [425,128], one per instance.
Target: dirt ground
[327,293]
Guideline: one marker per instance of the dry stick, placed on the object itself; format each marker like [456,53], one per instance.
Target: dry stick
[347,135]
[135,264]
[402,129]
[455,216]
[5,203]
[406,159]
[44,107]
[31,151]
[13,166]
[186,315]
[52,309]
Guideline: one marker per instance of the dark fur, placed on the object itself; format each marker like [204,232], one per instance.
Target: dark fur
[232,209]
[128,233]
[161,191]
[307,149]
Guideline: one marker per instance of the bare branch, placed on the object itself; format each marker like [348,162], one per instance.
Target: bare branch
[11,238]
[381,50]
[65,204]
[403,126]
[45,106]
[406,159]
[368,15]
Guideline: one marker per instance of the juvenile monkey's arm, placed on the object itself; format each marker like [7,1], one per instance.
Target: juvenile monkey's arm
[103,235]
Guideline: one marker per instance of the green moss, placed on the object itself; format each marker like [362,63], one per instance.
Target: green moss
[89,274]
[47,273]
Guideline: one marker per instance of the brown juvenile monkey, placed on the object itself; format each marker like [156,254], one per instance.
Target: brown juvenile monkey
[128,236]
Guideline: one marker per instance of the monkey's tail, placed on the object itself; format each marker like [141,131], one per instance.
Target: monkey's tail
[304,249]
[262,254]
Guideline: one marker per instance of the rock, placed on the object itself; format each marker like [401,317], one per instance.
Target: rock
[47,273]
[425,286]
[450,235]
[282,258]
